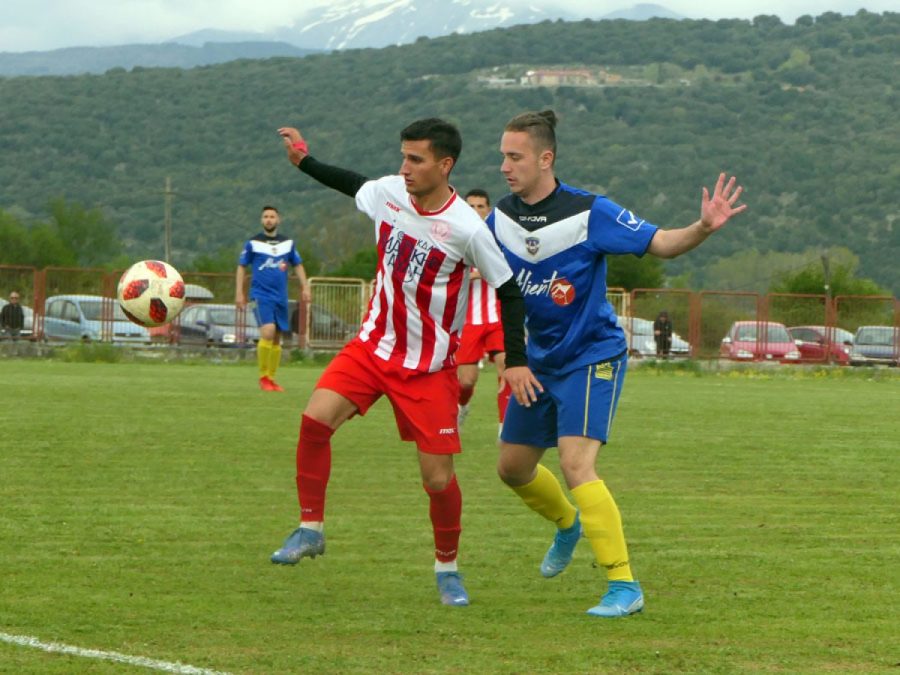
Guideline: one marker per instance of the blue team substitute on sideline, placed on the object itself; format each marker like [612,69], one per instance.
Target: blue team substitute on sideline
[271,259]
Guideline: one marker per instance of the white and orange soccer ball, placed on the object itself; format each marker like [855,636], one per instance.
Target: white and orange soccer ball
[151,293]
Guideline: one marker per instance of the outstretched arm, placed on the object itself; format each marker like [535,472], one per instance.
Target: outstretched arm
[715,211]
[343,180]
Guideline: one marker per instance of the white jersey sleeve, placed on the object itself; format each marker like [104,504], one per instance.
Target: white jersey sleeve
[483,253]
[367,197]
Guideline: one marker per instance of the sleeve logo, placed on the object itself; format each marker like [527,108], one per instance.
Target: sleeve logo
[627,219]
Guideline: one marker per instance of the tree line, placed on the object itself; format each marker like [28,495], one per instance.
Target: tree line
[803,114]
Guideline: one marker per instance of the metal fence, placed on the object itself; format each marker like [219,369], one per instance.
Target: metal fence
[705,325]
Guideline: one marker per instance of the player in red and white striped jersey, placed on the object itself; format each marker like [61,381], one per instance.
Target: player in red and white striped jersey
[427,240]
[483,333]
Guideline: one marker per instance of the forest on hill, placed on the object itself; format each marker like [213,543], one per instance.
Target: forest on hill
[805,115]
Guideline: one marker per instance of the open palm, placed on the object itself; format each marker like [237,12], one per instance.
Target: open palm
[716,210]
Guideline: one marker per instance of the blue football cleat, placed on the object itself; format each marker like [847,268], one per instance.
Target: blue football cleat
[452,591]
[561,550]
[301,543]
[622,598]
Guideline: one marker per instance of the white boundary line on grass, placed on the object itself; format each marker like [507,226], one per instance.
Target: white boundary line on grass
[58,647]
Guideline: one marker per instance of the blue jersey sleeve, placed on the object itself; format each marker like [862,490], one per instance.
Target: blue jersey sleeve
[294,256]
[246,256]
[616,230]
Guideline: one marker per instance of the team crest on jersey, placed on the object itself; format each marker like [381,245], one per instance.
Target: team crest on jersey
[562,292]
[440,231]
[532,245]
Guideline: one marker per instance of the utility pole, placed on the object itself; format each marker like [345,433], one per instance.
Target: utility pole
[168,220]
[829,310]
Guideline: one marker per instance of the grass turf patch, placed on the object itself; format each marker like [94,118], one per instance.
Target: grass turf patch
[140,504]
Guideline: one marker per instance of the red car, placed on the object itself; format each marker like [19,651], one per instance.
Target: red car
[815,346]
[759,341]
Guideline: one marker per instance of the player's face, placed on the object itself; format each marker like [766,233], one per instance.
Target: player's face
[421,170]
[480,204]
[270,220]
[523,164]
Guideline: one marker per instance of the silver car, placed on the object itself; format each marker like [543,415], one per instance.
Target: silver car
[82,317]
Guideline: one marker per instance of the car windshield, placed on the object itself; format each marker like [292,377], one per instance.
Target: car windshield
[775,333]
[93,310]
[879,336]
[841,335]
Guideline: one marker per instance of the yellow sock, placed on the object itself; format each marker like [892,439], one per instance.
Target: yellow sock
[545,495]
[602,526]
[274,359]
[263,352]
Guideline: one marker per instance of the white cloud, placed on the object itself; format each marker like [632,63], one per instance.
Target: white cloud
[50,24]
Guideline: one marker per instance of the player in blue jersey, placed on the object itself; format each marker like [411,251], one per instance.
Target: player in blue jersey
[270,258]
[556,239]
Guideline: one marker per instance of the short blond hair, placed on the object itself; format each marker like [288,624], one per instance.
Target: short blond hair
[541,126]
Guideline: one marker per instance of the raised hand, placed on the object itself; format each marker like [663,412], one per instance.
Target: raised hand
[294,144]
[716,210]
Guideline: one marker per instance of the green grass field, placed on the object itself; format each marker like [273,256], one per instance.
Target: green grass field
[139,504]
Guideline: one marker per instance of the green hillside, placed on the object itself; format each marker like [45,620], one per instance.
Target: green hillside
[805,115]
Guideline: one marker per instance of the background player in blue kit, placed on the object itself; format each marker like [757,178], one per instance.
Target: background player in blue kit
[556,239]
[270,258]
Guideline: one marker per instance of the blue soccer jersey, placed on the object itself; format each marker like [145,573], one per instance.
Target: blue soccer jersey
[270,260]
[557,250]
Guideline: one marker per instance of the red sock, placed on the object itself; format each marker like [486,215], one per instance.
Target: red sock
[465,394]
[313,467]
[503,399]
[446,512]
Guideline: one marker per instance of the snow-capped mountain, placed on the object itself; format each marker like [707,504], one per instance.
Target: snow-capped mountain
[379,23]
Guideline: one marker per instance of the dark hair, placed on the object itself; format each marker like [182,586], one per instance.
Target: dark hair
[541,126]
[478,192]
[445,138]
[269,208]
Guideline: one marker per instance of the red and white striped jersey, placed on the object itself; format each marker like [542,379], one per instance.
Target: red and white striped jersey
[484,307]
[419,299]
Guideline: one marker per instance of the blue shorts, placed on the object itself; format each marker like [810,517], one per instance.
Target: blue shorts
[579,403]
[269,310]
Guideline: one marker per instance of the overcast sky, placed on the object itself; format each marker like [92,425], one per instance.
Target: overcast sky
[27,25]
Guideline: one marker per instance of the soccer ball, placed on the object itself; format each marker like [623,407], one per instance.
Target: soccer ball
[151,293]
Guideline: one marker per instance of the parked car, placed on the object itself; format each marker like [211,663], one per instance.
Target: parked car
[759,341]
[876,344]
[814,344]
[324,325]
[217,325]
[640,339]
[28,320]
[80,317]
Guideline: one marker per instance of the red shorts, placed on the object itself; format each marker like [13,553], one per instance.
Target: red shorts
[424,403]
[477,341]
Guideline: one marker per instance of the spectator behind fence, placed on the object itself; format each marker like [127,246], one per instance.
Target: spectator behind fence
[12,318]
[662,334]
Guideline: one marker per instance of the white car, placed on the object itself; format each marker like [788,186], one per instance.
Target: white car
[639,333]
